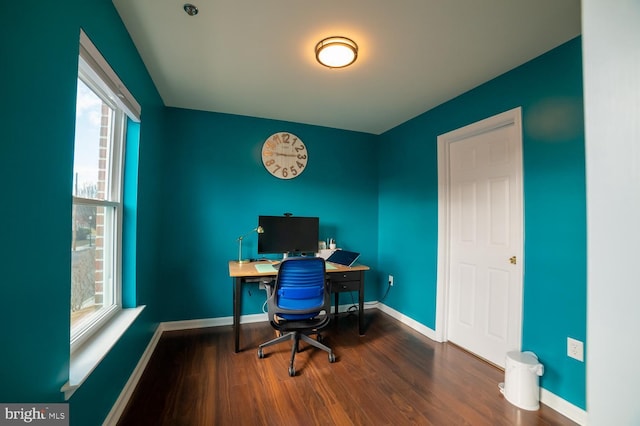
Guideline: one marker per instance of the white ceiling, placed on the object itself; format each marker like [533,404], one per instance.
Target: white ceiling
[256,57]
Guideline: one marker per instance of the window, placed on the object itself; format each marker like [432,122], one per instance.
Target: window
[102,107]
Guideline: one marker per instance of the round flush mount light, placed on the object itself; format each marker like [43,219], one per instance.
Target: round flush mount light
[190,9]
[336,52]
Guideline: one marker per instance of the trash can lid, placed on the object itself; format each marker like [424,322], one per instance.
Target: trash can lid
[528,358]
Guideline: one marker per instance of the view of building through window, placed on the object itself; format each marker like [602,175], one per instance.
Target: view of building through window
[92,219]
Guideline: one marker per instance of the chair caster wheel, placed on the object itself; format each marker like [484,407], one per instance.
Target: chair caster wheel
[332,358]
[292,371]
[260,353]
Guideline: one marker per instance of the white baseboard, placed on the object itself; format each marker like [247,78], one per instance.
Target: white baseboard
[123,399]
[129,387]
[210,322]
[244,319]
[563,407]
[420,328]
[549,399]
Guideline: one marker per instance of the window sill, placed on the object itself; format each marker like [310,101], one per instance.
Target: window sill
[87,357]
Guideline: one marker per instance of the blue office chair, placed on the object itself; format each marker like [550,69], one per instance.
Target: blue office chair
[299,305]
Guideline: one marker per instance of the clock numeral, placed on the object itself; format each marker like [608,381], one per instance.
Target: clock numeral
[285,137]
[300,165]
[276,169]
[294,171]
[267,153]
[302,156]
[270,162]
[285,173]
[299,148]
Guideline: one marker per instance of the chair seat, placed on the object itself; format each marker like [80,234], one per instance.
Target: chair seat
[302,324]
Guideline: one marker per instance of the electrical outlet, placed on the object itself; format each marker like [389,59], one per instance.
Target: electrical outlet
[391,280]
[575,349]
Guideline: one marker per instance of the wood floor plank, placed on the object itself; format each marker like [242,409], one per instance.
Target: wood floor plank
[391,376]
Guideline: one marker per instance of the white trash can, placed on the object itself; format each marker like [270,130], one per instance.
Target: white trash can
[521,386]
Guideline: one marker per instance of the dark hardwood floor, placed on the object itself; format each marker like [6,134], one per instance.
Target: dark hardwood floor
[392,376]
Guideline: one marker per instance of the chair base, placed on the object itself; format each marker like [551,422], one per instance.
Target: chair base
[296,336]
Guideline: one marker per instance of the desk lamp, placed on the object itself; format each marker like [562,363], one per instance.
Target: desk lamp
[259,230]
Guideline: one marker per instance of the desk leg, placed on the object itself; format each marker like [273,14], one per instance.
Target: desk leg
[337,296]
[237,292]
[361,305]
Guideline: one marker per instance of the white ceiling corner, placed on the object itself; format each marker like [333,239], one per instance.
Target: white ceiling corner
[256,57]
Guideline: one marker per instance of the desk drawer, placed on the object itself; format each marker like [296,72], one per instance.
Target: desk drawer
[345,281]
[337,277]
[338,286]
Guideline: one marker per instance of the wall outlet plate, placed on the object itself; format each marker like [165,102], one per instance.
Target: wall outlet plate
[575,349]
[391,280]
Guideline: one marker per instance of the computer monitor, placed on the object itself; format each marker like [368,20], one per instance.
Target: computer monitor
[288,234]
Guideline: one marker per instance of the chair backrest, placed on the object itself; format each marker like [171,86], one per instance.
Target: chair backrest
[300,291]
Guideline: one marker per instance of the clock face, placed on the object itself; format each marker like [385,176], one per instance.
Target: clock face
[284,155]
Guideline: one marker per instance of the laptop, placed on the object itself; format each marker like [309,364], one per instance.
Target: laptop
[344,257]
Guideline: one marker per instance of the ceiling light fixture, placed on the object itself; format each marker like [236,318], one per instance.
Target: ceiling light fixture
[190,9]
[336,52]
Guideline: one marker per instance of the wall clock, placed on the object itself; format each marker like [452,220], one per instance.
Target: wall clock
[284,155]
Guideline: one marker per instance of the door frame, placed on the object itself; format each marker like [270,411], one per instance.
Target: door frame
[507,118]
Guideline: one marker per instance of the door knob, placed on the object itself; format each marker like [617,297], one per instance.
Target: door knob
[513,260]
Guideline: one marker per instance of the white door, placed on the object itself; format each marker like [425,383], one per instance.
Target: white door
[484,271]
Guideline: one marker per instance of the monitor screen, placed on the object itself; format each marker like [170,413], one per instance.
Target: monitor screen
[288,234]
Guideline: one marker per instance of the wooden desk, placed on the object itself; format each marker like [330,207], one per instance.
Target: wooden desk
[341,278]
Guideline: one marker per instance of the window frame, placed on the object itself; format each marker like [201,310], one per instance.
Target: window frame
[97,75]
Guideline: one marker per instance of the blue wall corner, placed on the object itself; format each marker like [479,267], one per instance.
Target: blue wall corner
[549,89]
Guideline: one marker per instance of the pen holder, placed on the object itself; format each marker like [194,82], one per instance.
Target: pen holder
[331,243]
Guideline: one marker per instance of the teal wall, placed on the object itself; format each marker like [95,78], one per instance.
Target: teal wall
[215,187]
[39,51]
[200,184]
[549,89]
